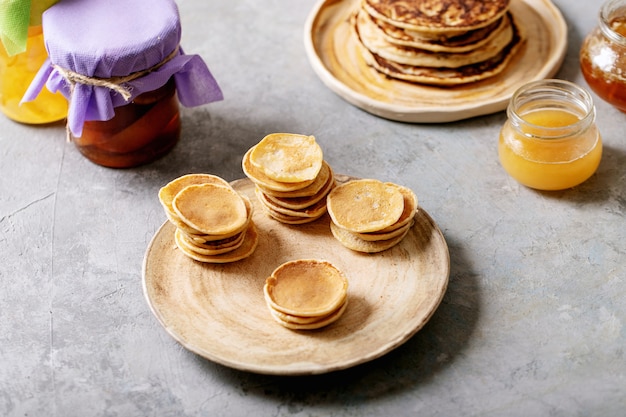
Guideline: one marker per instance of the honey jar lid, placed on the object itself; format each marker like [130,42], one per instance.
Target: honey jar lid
[104,53]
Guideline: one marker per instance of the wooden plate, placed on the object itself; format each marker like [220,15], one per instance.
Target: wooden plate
[218,311]
[335,58]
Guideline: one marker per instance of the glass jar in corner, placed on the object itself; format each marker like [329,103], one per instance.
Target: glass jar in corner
[603,55]
[124,77]
[550,140]
[22,52]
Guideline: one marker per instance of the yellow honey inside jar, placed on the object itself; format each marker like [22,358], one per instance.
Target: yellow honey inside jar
[550,140]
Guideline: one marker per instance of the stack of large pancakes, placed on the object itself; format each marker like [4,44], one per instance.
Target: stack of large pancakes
[437,42]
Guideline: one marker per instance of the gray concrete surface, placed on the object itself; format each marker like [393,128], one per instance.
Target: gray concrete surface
[532,323]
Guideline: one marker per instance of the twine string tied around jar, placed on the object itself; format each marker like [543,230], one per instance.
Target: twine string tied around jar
[113,83]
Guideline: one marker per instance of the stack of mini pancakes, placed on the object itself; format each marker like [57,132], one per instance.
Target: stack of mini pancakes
[306,294]
[436,42]
[291,177]
[369,215]
[213,221]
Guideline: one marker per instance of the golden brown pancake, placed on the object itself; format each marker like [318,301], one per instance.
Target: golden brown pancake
[448,16]
[301,203]
[306,288]
[365,205]
[315,210]
[306,323]
[199,237]
[463,42]
[250,242]
[216,247]
[378,236]
[375,42]
[212,209]
[213,221]
[169,191]
[355,243]
[445,76]
[323,178]
[408,213]
[290,318]
[287,219]
[261,179]
[288,157]
[176,221]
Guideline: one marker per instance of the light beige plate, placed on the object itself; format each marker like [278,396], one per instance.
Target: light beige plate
[219,311]
[336,60]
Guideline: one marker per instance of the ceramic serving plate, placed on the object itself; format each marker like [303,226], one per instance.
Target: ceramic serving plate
[335,58]
[218,311]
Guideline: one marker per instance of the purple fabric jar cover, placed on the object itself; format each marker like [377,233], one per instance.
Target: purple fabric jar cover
[114,38]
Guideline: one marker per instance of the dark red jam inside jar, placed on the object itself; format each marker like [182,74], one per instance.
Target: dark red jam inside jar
[140,132]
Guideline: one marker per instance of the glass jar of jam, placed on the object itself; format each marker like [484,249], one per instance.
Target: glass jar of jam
[139,132]
[603,55]
[124,77]
[550,140]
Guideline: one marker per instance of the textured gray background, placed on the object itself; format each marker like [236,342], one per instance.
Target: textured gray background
[531,324]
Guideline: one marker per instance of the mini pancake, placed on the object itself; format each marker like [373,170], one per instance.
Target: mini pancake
[315,210]
[437,16]
[323,178]
[217,247]
[301,203]
[289,318]
[284,218]
[250,242]
[306,288]
[169,191]
[176,221]
[288,157]
[211,209]
[313,325]
[408,213]
[351,241]
[199,237]
[406,55]
[257,176]
[378,236]
[365,205]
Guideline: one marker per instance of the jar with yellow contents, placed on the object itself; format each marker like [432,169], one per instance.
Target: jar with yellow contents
[550,140]
[22,52]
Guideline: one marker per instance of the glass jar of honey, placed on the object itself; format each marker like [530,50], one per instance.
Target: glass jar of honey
[22,52]
[124,77]
[550,140]
[603,55]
